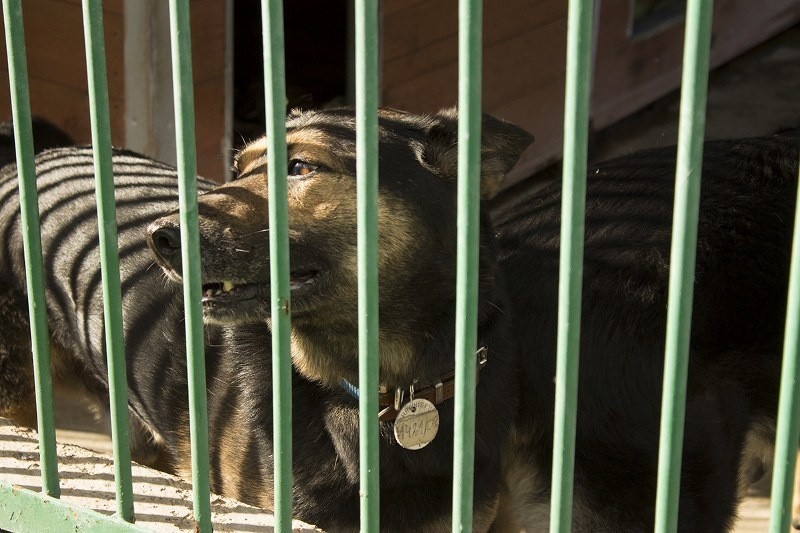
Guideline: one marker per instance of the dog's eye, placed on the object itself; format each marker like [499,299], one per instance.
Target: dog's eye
[300,168]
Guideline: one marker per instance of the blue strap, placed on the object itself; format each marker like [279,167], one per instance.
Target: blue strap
[349,388]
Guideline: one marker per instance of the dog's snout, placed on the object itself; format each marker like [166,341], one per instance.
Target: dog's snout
[165,241]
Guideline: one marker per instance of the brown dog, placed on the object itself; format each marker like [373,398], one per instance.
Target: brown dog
[747,204]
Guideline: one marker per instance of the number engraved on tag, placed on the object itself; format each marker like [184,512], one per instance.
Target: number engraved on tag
[416,424]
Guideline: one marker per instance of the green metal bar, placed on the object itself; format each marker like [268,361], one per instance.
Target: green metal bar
[275,96]
[25,510]
[31,238]
[682,262]
[109,254]
[573,201]
[470,27]
[190,255]
[366,31]
[789,408]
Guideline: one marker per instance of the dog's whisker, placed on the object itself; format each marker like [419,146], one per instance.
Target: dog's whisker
[265,230]
[499,309]
[214,344]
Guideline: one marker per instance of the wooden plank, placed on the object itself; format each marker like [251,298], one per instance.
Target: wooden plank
[443,52]
[424,25]
[523,73]
[66,107]
[632,72]
[512,69]
[390,7]
[57,68]
[418,26]
[208,39]
[109,6]
[209,99]
[54,43]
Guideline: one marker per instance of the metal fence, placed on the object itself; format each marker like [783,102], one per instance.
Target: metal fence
[692,119]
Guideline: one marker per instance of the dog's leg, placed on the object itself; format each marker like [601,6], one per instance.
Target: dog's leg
[16,366]
[17,392]
[796,496]
[714,441]
[147,447]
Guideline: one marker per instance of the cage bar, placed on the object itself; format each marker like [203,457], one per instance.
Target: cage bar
[573,201]
[789,405]
[180,41]
[366,33]
[275,97]
[109,253]
[470,25]
[32,242]
[694,85]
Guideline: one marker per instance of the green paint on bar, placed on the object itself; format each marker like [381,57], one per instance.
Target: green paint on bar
[576,125]
[31,238]
[470,25]
[789,406]
[366,30]
[25,510]
[109,255]
[275,97]
[682,259]
[190,255]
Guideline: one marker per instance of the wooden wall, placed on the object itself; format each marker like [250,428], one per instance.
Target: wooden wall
[57,72]
[57,66]
[523,56]
[524,48]
[633,71]
[208,53]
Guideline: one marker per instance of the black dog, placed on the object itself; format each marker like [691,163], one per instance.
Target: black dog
[45,135]
[745,227]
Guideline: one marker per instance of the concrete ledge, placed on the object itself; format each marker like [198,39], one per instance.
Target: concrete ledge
[162,502]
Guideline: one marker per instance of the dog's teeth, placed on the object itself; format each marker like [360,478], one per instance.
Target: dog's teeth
[227,286]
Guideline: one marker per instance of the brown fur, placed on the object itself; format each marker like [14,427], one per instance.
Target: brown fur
[742,266]
[416,256]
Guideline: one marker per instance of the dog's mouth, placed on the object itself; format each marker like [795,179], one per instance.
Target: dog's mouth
[234,302]
[226,291]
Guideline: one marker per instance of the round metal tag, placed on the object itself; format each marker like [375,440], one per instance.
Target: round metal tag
[416,424]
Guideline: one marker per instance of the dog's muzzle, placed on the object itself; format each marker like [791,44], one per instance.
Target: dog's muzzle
[164,240]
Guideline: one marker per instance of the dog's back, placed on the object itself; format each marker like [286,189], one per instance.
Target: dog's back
[747,206]
[152,308]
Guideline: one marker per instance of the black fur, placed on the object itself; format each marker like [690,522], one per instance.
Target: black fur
[747,207]
[45,135]
[746,214]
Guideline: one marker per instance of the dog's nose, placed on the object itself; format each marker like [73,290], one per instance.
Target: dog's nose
[165,241]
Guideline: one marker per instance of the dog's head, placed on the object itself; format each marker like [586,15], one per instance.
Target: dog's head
[416,230]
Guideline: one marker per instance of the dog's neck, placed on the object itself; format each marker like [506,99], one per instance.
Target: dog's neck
[421,355]
[327,359]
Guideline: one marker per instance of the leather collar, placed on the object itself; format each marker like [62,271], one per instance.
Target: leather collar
[390,401]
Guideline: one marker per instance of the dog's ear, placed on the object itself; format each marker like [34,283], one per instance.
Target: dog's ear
[501,145]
